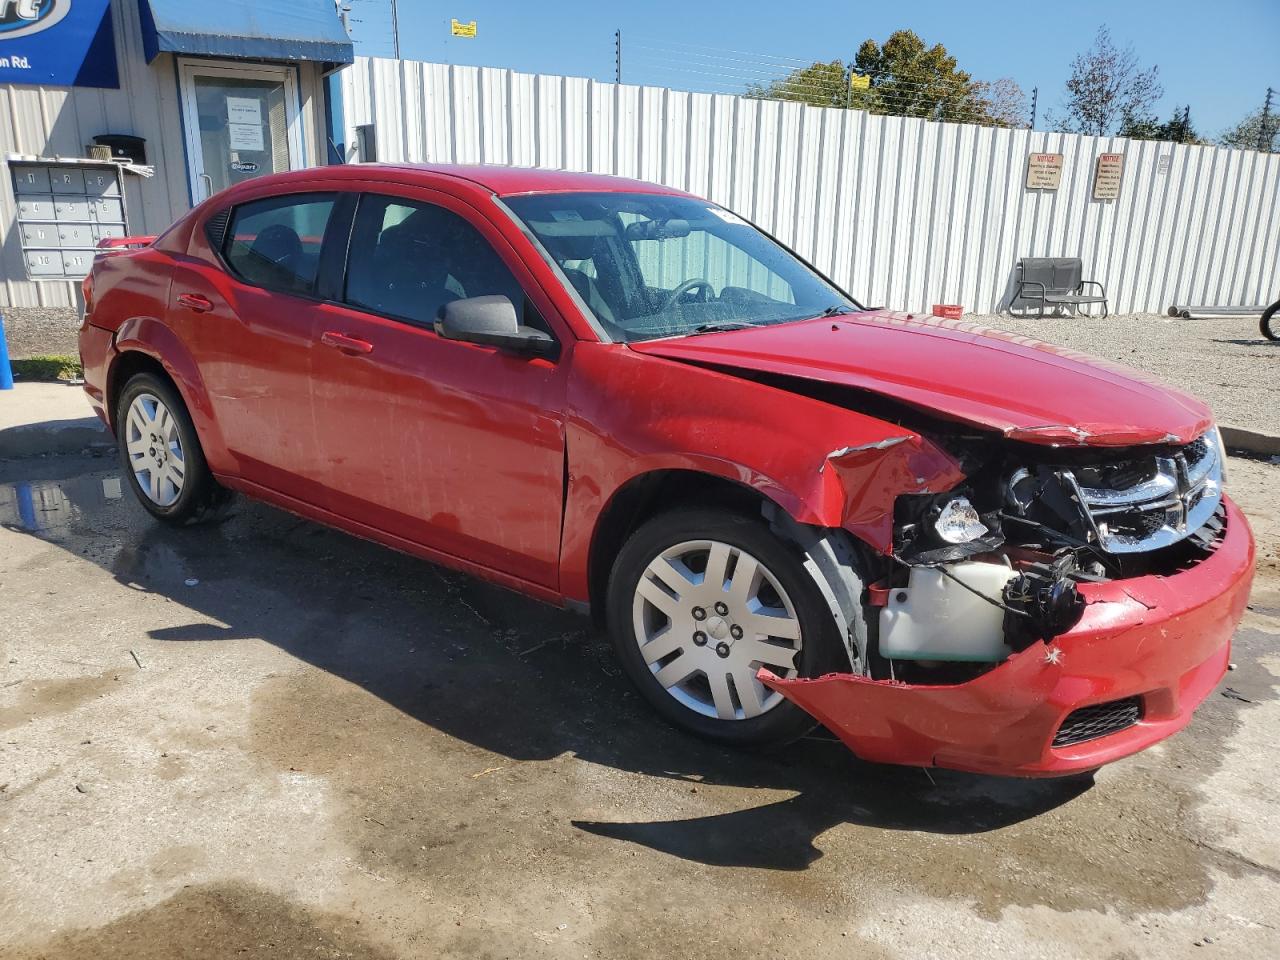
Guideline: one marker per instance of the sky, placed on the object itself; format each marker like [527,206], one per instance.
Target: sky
[1219,56]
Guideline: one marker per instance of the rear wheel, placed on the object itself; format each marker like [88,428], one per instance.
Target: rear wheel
[699,600]
[1271,321]
[161,453]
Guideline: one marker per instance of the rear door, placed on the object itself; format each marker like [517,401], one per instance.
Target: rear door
[457,446]
[250,319]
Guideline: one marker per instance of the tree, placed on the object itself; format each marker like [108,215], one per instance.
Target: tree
[1177,129]
[902,77]
[1003,102]
[1251,133]
[819,84]
[1108,88]
[908,79]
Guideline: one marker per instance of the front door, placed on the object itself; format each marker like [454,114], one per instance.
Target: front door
[457,446]
[241,122]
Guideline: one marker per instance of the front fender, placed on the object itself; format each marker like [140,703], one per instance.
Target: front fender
[151,337]
[630,414]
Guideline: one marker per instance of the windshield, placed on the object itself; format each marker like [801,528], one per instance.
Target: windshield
[649,265]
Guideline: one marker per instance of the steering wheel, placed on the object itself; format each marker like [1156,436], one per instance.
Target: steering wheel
[708,292]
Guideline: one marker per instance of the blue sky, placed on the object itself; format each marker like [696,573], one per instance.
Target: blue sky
[1219,56]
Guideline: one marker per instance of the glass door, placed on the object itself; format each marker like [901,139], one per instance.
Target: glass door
[241,122]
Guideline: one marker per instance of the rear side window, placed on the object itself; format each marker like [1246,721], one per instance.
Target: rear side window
[275,243]
[409,259]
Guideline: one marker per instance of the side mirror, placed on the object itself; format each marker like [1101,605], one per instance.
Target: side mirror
[492,321]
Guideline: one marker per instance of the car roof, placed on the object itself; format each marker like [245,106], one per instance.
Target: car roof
[504,181]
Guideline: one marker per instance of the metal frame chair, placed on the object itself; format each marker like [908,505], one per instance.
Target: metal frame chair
[1060,284]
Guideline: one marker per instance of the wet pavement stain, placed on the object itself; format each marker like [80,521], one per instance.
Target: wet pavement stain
[215,922]
[37,699]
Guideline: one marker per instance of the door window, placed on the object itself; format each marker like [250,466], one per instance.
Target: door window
[241,121]
[276,242]
[409,259]
[243,130]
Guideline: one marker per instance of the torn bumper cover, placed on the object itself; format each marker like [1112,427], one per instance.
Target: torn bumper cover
[1162,642]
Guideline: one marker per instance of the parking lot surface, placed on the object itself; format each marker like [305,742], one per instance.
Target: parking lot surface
[264,738]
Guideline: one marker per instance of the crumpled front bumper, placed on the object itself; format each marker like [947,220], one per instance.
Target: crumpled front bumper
[1164,639]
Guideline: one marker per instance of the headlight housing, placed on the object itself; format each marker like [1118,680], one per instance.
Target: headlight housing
[958,522]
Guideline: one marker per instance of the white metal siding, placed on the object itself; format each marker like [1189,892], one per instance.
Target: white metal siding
[901,212]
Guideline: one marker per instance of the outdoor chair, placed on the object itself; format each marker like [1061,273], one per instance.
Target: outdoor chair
[1057,282]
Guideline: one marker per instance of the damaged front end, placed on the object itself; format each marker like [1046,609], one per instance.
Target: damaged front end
[1058,609]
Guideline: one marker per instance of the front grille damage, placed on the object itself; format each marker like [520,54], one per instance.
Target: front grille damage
[1098,720]
[1049,521]
[1134,505]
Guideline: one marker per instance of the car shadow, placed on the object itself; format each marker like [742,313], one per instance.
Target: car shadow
[496,670]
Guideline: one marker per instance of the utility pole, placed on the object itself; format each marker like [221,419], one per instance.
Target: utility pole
[395,29]
[1265,134]
[617,56]
[1035,95]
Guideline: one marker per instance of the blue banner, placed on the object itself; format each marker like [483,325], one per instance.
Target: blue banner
[57,43]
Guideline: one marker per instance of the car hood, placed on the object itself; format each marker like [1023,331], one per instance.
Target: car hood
[1027,390]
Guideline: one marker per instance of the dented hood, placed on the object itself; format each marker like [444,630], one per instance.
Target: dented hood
[1025,389]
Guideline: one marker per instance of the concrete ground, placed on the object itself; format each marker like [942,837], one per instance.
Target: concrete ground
[45,418]
[267,739]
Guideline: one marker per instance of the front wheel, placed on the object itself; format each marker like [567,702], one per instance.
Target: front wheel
[698,601]
[1271,322]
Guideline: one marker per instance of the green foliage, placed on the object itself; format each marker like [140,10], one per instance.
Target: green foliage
[819,84]
[1177,129]
[1108,89]
[903,77]
[48,367]
[1253,133]
[909,79]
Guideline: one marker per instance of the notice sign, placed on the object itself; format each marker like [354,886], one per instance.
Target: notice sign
[244,110]
[463,29]
[1044,171]
[245,136]
[1106,176]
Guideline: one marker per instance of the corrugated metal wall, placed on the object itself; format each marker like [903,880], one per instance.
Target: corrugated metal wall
[51,121]
[901,212]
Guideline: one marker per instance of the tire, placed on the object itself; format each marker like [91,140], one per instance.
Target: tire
[159,448]
[1270,324]
[782,587]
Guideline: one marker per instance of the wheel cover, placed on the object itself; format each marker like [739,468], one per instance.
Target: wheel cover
[154,449]
[707,615]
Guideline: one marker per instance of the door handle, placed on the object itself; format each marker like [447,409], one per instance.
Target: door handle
[352,345]
[193,301]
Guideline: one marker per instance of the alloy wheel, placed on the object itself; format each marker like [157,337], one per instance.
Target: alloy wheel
[707,615]
[155,449]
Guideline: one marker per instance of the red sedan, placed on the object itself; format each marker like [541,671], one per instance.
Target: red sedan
[951,546]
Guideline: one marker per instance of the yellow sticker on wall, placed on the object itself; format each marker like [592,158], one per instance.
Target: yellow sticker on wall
[464,29]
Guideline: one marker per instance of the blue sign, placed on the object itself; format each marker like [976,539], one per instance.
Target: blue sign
[57,43]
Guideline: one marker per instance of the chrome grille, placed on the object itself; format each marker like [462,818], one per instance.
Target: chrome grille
[1147,504]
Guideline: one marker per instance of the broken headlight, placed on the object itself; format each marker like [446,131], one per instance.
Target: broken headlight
[958,522]
[940,528]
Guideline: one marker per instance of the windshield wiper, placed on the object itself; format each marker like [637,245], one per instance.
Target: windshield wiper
[836,308]
[720,326]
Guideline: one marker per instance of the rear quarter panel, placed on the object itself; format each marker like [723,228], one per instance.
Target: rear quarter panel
[131,293]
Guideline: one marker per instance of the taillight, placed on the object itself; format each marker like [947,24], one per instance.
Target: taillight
[86,307]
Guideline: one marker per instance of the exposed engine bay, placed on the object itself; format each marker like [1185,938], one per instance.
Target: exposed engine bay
[988,568]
